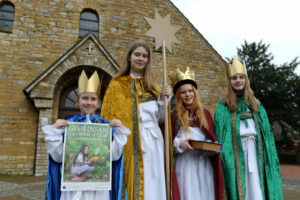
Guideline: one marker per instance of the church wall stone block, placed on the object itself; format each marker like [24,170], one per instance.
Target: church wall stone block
[38,58]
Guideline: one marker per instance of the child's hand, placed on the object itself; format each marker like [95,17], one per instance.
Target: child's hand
[115,123]
[185,145]
[166,91]
[60,123]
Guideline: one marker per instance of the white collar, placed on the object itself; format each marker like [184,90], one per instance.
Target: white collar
[137,76]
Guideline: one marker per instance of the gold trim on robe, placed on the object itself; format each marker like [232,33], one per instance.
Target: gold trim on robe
[121,101]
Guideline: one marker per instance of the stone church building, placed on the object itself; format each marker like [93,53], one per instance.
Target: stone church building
[44,45]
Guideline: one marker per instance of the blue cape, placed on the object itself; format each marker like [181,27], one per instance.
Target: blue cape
[52,191]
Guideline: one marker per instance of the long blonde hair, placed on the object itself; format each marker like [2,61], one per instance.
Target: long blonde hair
[230,99]
[182,111]
[125,70]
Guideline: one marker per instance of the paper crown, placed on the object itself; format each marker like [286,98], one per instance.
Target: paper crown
[89,85]
[180,78]
[236,68]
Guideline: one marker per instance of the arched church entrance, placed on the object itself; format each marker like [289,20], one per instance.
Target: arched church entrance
[53,92]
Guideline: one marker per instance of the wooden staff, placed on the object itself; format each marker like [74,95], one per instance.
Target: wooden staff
[167,153]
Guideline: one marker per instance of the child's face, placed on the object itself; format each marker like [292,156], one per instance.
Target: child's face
[88,103]
[86,150]
[187,94]
[238,82]
[138,60]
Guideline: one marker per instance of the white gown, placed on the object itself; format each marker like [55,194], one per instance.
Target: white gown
[54,144]
[193,169]
[152,143]
[249,143]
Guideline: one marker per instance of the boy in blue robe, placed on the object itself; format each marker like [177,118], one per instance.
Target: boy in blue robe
[88,101]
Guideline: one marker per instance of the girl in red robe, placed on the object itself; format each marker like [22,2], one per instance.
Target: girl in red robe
[199,173]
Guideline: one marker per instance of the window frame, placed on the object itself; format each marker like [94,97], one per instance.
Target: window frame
[85,22]
[9,20]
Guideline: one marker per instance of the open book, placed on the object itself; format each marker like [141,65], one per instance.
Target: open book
[208,146]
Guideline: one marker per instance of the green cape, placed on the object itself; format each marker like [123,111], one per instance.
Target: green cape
[234,172]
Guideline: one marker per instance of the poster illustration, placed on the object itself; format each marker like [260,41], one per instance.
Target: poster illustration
[86,157]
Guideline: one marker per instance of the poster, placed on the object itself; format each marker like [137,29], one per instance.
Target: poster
[86,157]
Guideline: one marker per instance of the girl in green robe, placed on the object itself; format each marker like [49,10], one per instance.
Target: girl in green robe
[250,163]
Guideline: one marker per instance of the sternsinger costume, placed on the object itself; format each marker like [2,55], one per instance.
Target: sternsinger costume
[139,109]
[54,140]
[250,162]
[199,175]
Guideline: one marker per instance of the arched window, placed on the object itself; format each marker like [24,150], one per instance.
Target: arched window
[89,23]
[67,104]
[7,13]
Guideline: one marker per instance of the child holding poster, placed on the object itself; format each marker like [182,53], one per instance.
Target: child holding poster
[88,101]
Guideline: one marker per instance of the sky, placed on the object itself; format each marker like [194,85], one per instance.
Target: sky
[227,24]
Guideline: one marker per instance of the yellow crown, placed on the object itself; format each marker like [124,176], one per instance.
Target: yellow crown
[89,85]
[236,68]
[180,78]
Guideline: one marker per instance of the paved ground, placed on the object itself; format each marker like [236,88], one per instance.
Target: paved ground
[21,187]
[32,188]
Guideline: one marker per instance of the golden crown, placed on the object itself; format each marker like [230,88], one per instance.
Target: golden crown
[89,85]
[236,68]
[180,78]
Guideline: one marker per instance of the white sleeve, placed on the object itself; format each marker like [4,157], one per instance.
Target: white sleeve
[54,142]
[161,113]
[120,139]
[79,158]
[176,144]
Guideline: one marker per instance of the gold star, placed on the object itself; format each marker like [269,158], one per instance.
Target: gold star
[161,29]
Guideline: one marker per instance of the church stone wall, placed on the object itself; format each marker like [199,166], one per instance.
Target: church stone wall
[44,30]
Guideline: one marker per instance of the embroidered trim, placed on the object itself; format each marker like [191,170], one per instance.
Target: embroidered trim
[236,157]
[136,138]
[143,94]
[246,115]
[261,150]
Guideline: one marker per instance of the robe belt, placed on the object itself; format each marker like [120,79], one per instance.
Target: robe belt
[244,116]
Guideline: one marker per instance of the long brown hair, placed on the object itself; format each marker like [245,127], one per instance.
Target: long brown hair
[230,99]
[125,70]
[196,107]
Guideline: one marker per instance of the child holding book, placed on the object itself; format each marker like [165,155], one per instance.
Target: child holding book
[199,173]
[88,101]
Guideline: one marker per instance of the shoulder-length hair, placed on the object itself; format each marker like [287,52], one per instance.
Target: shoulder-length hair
[125,70]
[230,99]
[196,107]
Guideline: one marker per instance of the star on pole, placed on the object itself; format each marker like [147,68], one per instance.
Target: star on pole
[161,29]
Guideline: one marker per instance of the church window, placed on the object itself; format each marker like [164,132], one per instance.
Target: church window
[89,23]
[7,13]
[67,104]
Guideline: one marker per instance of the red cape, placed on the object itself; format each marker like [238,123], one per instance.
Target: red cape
[216,159]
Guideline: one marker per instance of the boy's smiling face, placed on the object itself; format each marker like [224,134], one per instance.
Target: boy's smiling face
[88,103]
